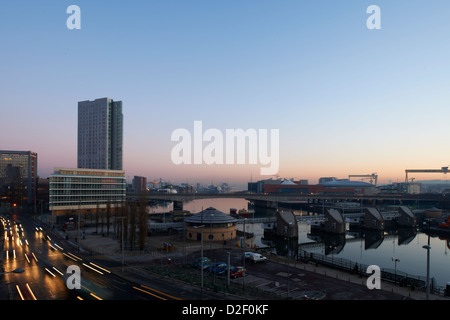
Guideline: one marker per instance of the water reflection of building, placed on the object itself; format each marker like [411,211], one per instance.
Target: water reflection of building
[214,224]
[18,177]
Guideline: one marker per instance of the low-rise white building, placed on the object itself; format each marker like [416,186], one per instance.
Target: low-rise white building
[74,191]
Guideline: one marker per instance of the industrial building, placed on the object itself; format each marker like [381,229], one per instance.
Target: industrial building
[326,186]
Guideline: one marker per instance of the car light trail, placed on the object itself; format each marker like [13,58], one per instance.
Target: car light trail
[164,294]
[149,293]
[88,266]
[62,274]
[20,292]
[26,256]
[100,267]
[70,257]
[31,292]
[50,272]
[74,256]
[34,256]
[58,247]
[96,297]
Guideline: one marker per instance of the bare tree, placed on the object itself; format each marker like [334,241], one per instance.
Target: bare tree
[101,219]
[120,220]
[125,213]
[132,224]
[143,223]
[108,216]
[97,217]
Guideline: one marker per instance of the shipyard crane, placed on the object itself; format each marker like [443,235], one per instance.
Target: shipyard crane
[443,170]
[373,176]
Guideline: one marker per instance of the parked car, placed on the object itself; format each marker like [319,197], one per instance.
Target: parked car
[222,270]
[218,267]
[237,271]
[198,263]
[247,255]
[255,257]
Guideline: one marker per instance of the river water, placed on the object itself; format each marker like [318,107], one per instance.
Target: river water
[404,246]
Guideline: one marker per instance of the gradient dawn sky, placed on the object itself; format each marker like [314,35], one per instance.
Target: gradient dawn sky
[345,99]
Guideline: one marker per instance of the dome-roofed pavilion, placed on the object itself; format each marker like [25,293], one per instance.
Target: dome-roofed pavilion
[216,226]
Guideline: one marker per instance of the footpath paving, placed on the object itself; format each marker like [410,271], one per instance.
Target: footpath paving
[108,247]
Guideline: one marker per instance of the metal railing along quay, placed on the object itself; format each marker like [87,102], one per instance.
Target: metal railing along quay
[415,282]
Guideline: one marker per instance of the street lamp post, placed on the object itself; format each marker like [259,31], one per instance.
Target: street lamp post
[287,260]
[201,227]
[332,248]
[428,248]
[123,258]
[79,222]
[243,245]
[122,232]
[228,270]
[210,237]
[395,268]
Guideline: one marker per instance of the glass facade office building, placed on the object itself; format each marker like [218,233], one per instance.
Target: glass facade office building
[100,134]
[86,190]
[18,177]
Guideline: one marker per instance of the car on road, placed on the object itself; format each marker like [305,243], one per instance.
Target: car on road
[255,257]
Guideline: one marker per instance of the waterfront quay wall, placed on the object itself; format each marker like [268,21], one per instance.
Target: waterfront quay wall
[395,276]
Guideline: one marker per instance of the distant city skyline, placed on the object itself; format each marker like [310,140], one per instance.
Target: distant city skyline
[345,99]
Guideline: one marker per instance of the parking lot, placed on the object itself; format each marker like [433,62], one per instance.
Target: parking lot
[288,280]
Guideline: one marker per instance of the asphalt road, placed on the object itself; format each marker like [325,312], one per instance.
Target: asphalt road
[49,264]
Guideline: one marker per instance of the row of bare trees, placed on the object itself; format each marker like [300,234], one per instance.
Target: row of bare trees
[135,223]
[130,222]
